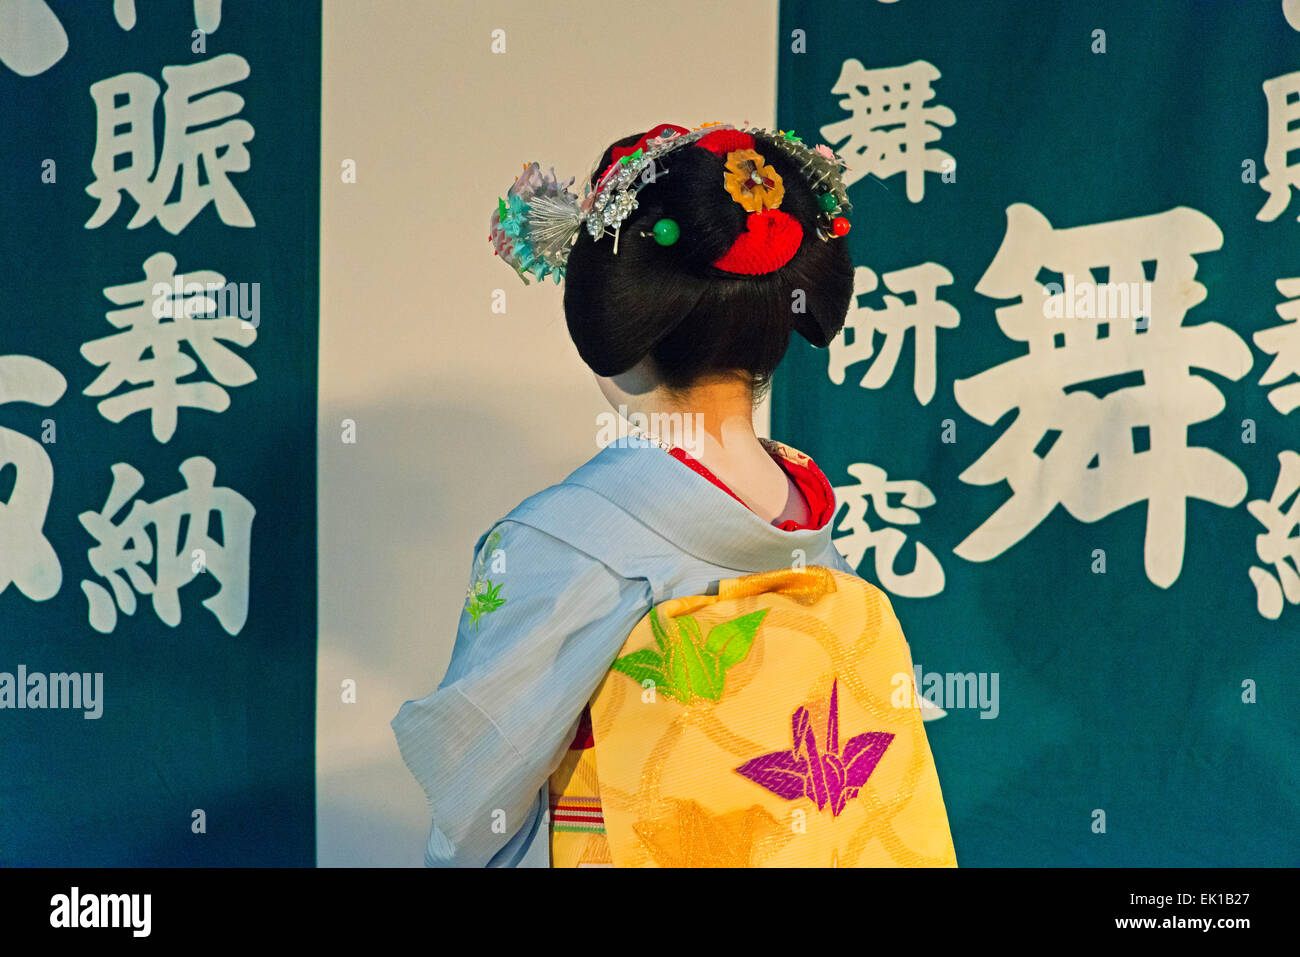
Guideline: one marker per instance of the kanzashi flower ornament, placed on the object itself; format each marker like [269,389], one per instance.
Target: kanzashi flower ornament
[751,182]
[534,226]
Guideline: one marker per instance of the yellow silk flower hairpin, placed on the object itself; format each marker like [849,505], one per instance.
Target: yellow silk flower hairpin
[751,182]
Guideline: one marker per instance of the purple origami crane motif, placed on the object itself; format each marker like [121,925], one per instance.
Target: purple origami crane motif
[830,776]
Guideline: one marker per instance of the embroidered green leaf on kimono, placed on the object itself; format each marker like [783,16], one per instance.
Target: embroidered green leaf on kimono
[483,599]
[483,596]
[690,667]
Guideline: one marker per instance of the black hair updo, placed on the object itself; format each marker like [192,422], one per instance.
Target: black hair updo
[672,304]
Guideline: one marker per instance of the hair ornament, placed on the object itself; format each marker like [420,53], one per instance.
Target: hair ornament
[667,232]
[823,169]
[614,197]
[770,240]
[751,182]
[534,227]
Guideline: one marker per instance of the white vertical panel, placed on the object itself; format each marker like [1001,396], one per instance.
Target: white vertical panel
[460,413]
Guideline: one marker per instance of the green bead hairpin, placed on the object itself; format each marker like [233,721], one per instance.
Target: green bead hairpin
[665,231]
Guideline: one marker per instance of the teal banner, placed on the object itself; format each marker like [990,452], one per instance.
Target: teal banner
[1063,420]
[158,334]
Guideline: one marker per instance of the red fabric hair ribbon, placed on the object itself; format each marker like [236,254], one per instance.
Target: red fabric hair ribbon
[618,152]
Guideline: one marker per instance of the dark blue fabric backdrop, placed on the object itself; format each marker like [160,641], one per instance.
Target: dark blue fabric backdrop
[207,714]
[1146,707]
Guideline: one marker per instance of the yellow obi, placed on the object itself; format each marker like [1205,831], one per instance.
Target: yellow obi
[774,724]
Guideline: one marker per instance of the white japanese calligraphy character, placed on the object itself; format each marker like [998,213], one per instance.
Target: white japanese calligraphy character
[1283,341]
[890,127]
[218,147]
[1279,545]
[191,319]
[1282,94]
[32,39]
[126,547]
[874,488]
[26,557]
[923,316]
[1104,405]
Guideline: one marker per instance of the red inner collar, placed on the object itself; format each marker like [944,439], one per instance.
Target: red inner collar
[809,479]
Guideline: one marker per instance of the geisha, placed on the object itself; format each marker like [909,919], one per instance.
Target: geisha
[663,660]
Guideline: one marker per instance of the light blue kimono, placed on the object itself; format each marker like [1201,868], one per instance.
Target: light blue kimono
[578,565]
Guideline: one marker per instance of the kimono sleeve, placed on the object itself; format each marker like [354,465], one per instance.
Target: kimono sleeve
[542,623]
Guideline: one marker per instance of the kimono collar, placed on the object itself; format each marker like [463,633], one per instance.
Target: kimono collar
[693,513]
[813,487]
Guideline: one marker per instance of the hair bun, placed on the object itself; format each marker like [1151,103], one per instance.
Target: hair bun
[755,255]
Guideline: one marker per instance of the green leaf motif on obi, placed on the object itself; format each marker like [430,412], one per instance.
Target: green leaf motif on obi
[689,667]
